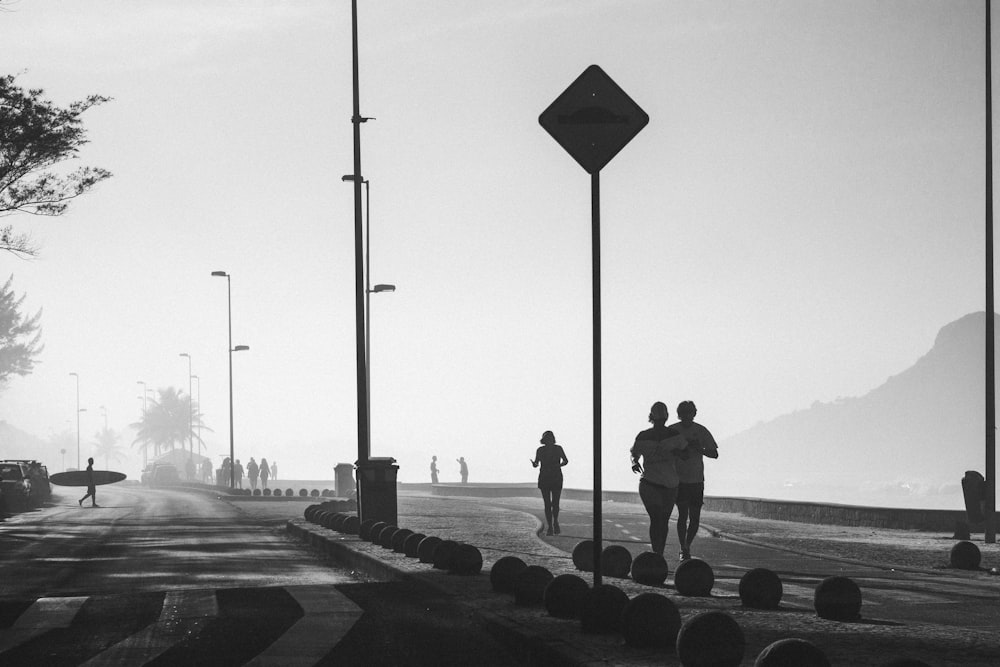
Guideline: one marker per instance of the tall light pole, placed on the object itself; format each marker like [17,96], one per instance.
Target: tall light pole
[990,530]
[368,304]
[191,410]
[145,450]
[77,419]
[195,377]
[229,347]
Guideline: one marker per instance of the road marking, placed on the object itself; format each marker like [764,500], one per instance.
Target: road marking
[329,615]
[184,614]
[44,615]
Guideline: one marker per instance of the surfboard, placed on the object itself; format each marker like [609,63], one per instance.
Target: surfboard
[81,478]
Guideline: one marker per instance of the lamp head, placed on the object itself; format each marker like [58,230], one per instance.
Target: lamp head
[384,288]
[241,348]
[221,274]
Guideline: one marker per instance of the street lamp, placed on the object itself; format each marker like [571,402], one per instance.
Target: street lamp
[191,411]
[231,349]
[368,307]
[77,419]
[195,377]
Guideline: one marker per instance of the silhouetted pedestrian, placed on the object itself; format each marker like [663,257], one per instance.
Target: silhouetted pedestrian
[252,472]
[274,471]
[265,472]
[691,472]
[658,447]
[238,470]
[551,458]
[463,469]
[226,472]
[206,471]
[91,486]
[434,470]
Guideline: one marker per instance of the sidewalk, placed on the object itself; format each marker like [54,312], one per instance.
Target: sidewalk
[498,531]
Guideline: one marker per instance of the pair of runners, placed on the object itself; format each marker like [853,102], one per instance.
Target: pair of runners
[673,472]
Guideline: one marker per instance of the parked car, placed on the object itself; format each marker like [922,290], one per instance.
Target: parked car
[24,483]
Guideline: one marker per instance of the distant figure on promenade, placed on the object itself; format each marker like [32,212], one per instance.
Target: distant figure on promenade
[691,471]
[265,472]
[189,468]
[239,474]
[463,469]
[226,472]
[91,487]
[658,447]
[434,470]
[274,470]
[550,478]
[206,471]
[252,472]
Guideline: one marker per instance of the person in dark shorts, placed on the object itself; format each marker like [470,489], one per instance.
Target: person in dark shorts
[463,469]
[91,487]
[658,447]
[691,471]
[434,470]
[551,458]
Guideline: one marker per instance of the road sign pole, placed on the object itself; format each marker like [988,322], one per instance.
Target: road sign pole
[595,203]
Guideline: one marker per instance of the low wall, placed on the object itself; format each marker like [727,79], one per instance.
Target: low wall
[759,508]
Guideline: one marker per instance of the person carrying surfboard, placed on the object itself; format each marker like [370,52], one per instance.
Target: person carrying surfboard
[91,487]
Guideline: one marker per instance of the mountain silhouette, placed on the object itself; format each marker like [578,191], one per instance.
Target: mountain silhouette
[908,442]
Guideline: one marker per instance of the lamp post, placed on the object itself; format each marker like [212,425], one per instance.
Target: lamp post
[195,377]
[77,419]
[191,410]
[229,347]
[368,305]
[145,450]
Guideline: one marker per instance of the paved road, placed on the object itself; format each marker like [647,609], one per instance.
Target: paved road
[165,577]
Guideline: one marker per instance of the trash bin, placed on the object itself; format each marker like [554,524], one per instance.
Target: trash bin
[343,482]
[377,489]
[974,491]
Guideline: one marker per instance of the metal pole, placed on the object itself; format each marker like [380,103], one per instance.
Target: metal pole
[990,509]
[595,197]
[368,310]
[232,453]
[359,305]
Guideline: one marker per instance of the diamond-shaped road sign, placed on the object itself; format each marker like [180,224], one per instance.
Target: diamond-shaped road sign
[593,119]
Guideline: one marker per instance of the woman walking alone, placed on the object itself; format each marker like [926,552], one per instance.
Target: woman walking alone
[551,458]
[265,472]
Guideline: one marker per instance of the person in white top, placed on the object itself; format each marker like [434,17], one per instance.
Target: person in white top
[691,471]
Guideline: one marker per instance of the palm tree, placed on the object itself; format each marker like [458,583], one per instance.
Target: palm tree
[167,422]
[106,445]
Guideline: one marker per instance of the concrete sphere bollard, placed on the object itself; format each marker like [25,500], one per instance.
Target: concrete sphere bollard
[650,568]
[339,520]
[289,493]
[792,653]
[602,609]
[425,552]
[277,493]
[366,527]
[563,597]
[398,538]
[326,518]
[529,585]
[466,560]
[694,578]
[583,556]
[444,554]
[504,572]
[385,537]
[838,599]
[352,525]
[761,588]
[374,530]
[309,511]
[965,556]
[256,492]
[314,493]
[303,493]
[651,620]
[711,639]
[267,492]
[412,543]
[616,561]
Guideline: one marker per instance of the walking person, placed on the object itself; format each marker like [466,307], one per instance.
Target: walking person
[274,471]
[238,471]
[463,469]
[91,487]
[691,472]
[658,447]
[265,472]
[434,470]
[252,472]
[551,458]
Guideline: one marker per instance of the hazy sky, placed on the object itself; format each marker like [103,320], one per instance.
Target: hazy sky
[802,214]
